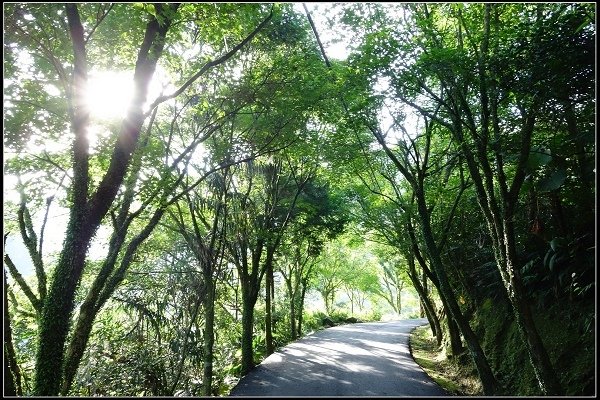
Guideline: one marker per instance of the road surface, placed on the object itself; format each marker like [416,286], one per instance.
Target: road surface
[366,359]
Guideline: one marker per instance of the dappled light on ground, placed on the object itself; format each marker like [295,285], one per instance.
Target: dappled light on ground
[370,359]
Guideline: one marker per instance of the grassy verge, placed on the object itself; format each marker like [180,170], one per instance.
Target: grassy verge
[451,374]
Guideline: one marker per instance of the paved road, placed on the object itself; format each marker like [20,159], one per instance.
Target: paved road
[368,359]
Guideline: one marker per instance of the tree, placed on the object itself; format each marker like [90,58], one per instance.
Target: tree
[87,209]
[330,273]
[296,267]
[318,218]
[392,283]
[412,163]
[206,240]
[488,118]
[266,192]
[262,203]
[12,371]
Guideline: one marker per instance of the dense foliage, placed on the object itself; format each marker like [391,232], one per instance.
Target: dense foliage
[248,189]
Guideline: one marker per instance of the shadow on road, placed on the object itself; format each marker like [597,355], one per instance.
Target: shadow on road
[368,359]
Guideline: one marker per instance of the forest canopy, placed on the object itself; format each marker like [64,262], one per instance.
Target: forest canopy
[190,186]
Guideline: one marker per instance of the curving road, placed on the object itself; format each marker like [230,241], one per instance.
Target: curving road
[367,359]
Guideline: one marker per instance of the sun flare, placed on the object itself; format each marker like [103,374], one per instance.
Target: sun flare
[108,94]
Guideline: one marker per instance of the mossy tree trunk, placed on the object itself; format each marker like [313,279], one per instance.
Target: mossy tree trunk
[453,331]
[478,129]
[428,306]
[107,280]
[249,298]
[102,289]
[488,381]
[86,211]
[456,347]
[12,372]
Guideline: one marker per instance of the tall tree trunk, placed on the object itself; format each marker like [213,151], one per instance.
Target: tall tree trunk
[327,306]
[76,348]
[456,347]
[427,315]
[432,317]
[270,348]
[98,295]
[209,335]
[12,372]
[332,300]
[488,381]
[57,310]
[248,303]
[291,296]
[425,288]
[87,213]
[453,331]
[542,366]
[301,306]
[293,327]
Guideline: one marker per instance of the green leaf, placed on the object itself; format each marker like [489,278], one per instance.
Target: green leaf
[556,243]
[529,266]
[538,157]
[150,9]
[553,181]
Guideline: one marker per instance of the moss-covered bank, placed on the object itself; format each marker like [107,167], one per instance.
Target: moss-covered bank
[568,336]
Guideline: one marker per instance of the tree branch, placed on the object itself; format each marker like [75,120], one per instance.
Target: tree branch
[78,110]
[14,272]
[99,19]
[150,51]
[30,240]
[211,64]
